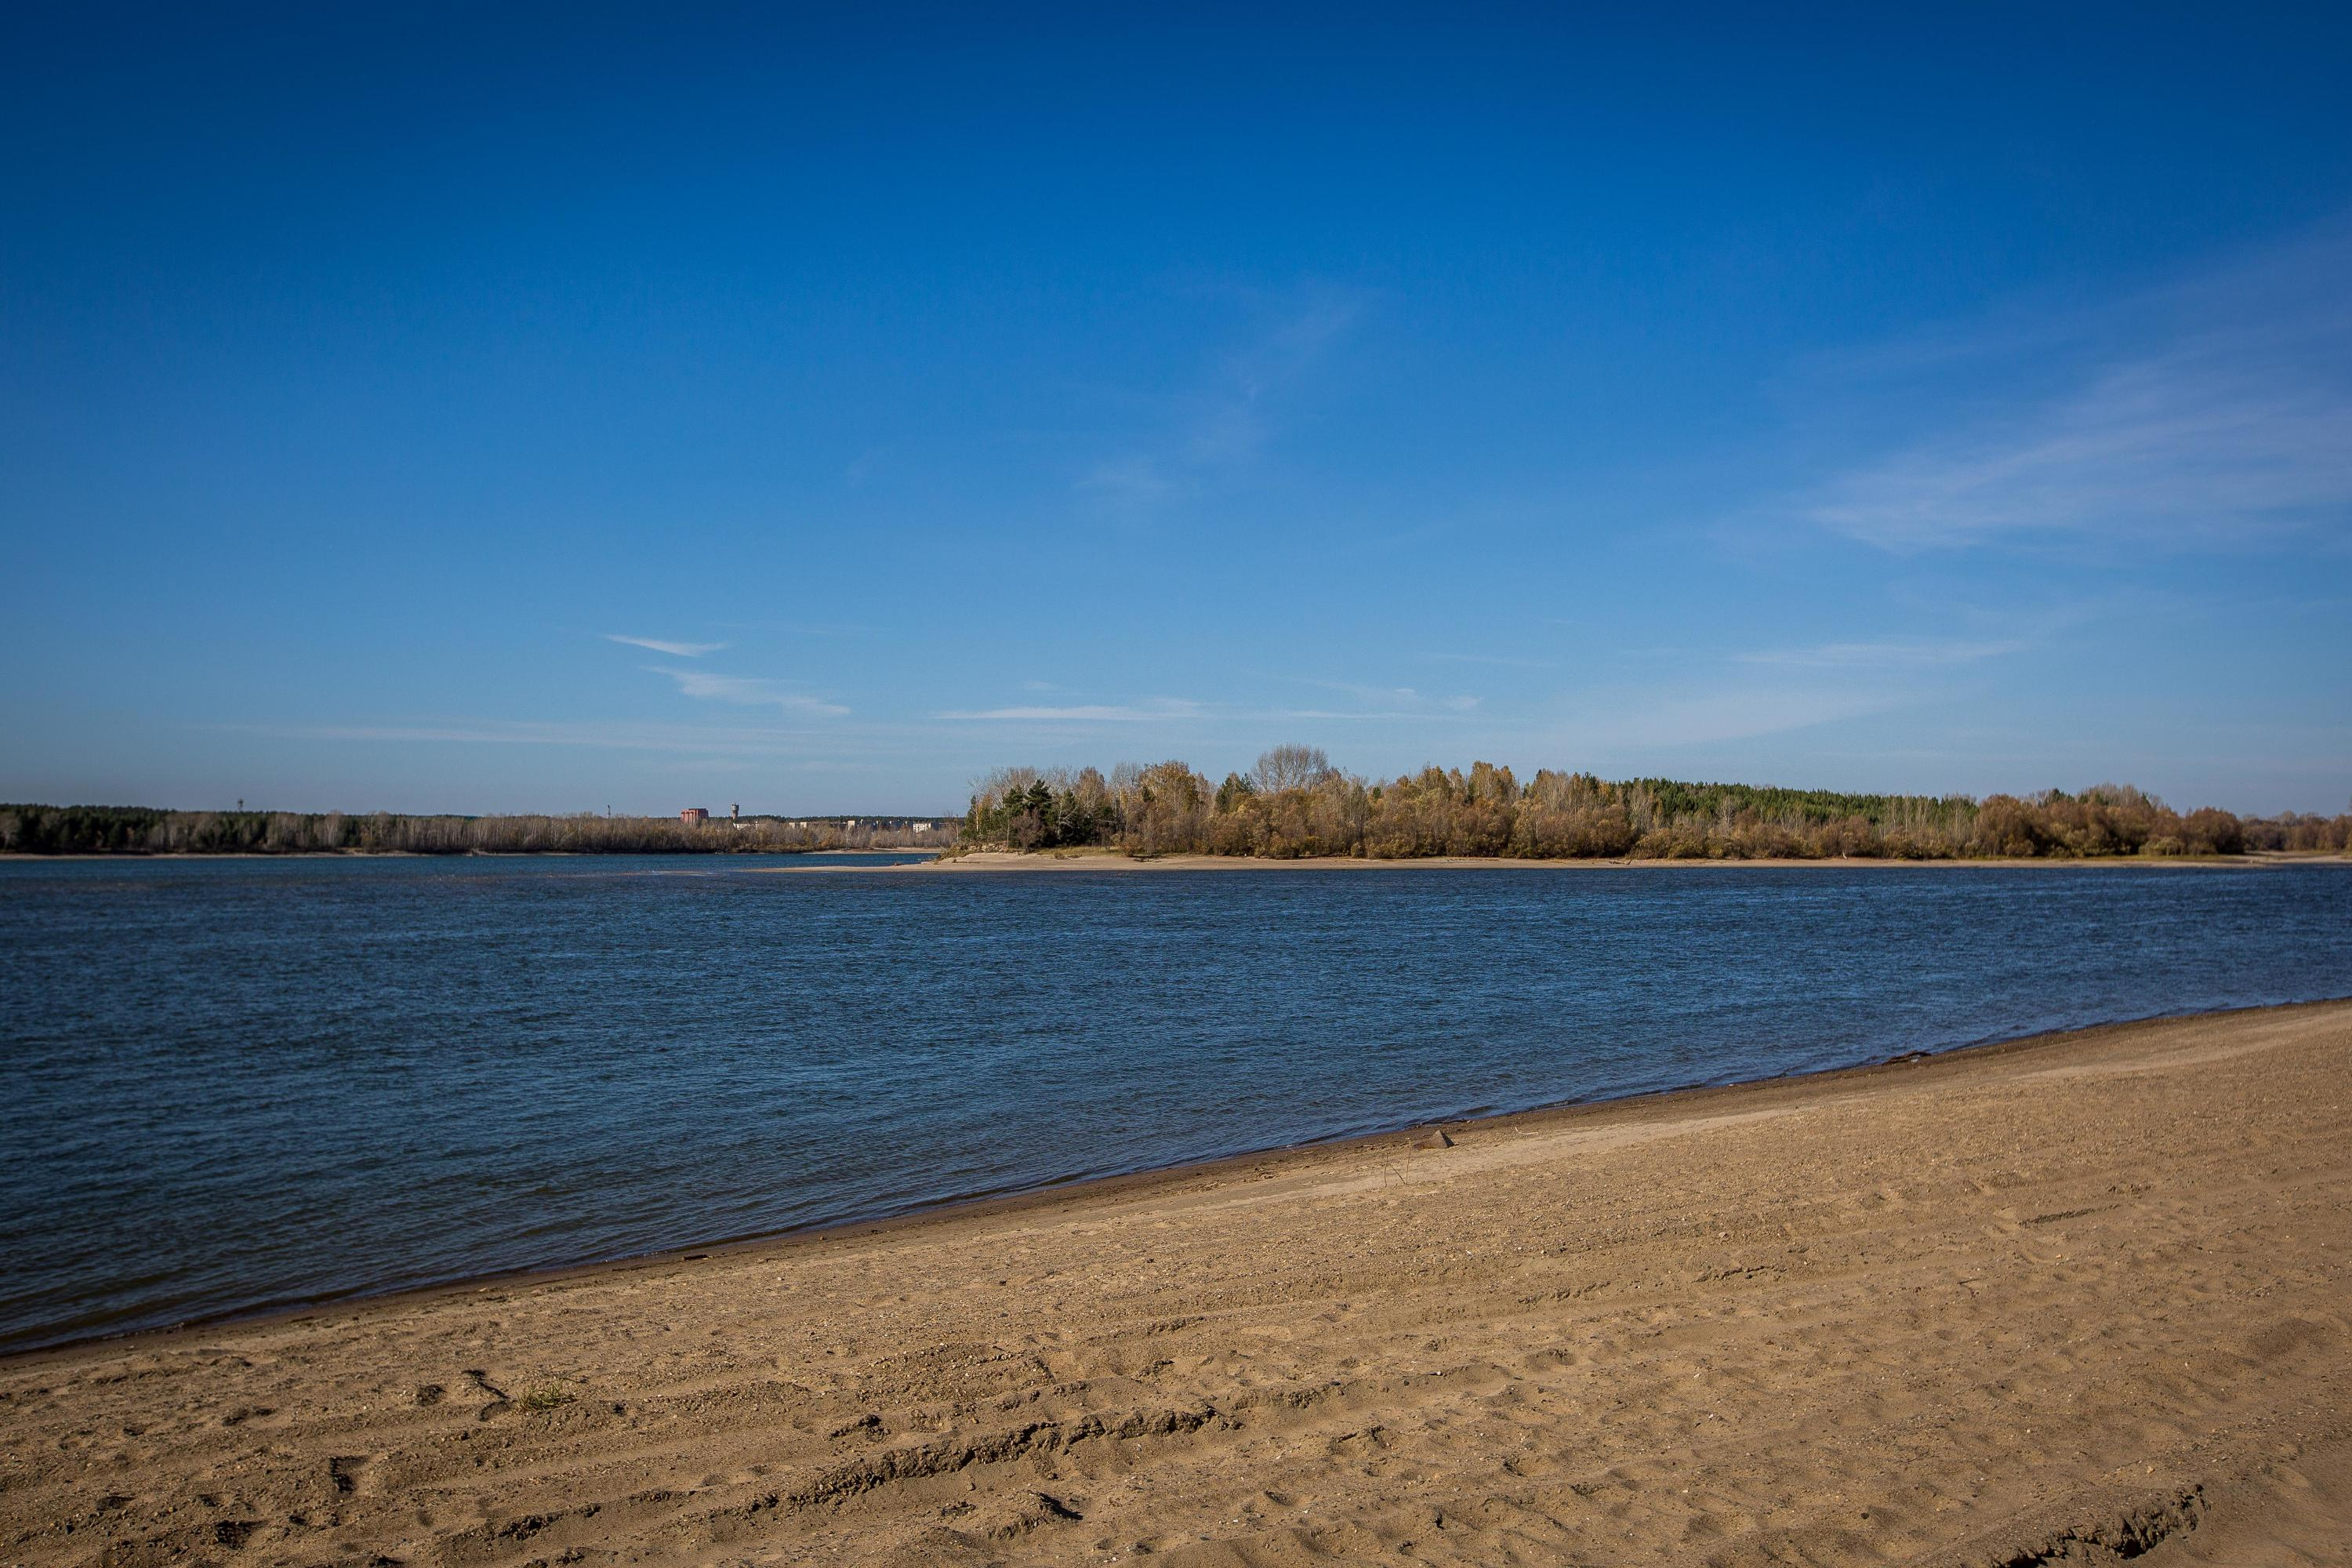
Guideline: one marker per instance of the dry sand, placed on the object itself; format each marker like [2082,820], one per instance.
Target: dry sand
[2061,1300]
[1115,860]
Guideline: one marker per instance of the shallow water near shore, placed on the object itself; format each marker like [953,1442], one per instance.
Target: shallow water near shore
[232,1084]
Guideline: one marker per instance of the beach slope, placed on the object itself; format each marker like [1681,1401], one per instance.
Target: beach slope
[2080,1299]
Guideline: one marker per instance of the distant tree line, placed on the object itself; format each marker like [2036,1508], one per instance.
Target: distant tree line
[140,830]
[1295,803]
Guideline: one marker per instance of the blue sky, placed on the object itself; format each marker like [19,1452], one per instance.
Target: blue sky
[574,408]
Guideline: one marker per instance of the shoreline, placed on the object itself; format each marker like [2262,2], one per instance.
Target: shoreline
[2015,1302]
[1117,861]
[1662,1103]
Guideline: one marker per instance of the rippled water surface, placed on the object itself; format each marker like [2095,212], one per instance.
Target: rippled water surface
[234,1083]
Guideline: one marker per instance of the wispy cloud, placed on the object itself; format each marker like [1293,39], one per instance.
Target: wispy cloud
[1362,692]
[619,736]
[1382,703]
[1630,725]
[2165,448]
[2212,412]
[1354,715]
[1234,421]
[1500,661]
[1089,713]
[1399,702]
[1223,424]
[746,691]
[1901,654]
[675,649]
[1126,482]
[803,629]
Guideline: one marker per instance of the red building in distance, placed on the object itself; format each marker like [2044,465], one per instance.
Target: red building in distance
[694,816]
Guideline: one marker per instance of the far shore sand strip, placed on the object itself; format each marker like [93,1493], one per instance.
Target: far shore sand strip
[1112,860]
[2079,1299]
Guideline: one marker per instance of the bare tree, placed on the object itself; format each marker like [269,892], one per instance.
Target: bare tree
[1290,767]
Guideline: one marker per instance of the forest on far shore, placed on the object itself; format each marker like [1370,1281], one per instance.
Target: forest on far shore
[146,830]
[1295,803]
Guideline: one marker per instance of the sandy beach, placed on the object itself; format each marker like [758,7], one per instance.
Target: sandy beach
[2076,1299]
[1113,860]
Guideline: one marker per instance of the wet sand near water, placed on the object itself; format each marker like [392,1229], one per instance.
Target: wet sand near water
[2078,1299]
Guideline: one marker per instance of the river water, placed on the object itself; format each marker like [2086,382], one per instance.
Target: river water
[239,1083]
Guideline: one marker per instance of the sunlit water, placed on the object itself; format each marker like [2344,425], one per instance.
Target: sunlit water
[226,1084]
